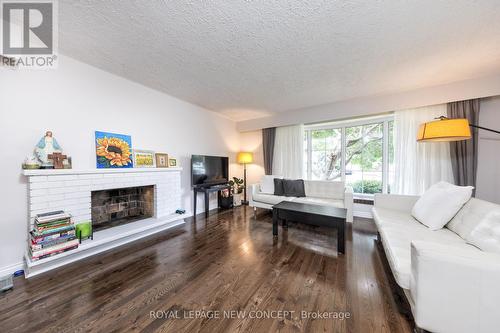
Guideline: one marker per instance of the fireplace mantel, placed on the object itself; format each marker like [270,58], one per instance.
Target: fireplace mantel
[53,172]
[70,190]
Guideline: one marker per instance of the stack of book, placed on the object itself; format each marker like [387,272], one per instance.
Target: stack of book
[53,233]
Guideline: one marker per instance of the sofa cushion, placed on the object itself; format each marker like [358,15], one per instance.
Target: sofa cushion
[440,203]
[267,184]
[278,187]
[324,189]
[486,235]
[384,216]
[321,201]
[398,230]
[471,214]
[294,188]
[270,199]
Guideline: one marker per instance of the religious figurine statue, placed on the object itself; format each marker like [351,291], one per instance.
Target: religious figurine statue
[47,146]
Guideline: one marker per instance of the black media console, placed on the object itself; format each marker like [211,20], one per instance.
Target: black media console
[207,190]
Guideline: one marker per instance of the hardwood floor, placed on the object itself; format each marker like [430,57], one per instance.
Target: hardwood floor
[226,262]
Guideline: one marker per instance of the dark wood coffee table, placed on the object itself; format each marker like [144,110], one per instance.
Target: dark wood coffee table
[311,214]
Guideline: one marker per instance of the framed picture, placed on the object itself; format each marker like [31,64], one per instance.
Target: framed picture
[161,160]
[113,150]
[67,163]
[172,162]
[144,158]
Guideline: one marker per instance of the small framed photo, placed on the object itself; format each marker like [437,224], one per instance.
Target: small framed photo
[143,158]
[172,162]
[161,160]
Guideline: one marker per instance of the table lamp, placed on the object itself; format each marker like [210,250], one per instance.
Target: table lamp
[244,158]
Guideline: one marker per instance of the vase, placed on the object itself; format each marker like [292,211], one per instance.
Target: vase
[236,199]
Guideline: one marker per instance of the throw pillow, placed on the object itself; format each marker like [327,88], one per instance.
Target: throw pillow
[294,188]
[278,187]
[267,184]
[440,203]
[486,235]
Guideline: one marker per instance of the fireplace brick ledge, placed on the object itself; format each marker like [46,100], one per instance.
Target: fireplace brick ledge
[104,240]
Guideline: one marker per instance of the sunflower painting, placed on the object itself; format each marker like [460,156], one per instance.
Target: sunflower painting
[113,150]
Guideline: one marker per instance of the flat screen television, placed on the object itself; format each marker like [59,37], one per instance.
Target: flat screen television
[209,170]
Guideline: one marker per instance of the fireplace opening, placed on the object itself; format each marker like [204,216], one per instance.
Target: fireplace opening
[115,207]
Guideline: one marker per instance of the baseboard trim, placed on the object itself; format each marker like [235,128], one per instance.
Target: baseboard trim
[10,269]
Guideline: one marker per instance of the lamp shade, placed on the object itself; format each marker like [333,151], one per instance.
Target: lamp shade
[244,157]
[444,130]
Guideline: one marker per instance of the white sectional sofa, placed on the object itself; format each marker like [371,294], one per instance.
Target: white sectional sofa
[451,286]
[328,193]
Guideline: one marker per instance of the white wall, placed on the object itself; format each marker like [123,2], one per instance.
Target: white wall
[74,101]
[252,141]
[488,173]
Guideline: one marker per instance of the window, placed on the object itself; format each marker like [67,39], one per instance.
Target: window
[326,151]
[358,152]
[364,158]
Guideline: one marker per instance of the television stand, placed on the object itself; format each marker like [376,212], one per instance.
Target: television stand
[207,190]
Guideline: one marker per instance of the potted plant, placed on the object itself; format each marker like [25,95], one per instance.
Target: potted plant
[237,189]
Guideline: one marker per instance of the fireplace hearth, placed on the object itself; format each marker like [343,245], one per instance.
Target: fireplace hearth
[115,207]
[161,197]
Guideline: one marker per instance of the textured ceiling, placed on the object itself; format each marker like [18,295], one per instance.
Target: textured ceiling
[248,59]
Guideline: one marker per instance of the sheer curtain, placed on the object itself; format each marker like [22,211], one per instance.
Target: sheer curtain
[419,165]
[289,152]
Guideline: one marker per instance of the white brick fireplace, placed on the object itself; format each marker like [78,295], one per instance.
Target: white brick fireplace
[70,190]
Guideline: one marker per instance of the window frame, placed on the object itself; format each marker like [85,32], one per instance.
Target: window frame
[342,125]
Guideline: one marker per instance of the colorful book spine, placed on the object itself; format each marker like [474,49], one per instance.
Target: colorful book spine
[54,253]
[54,222]
[57,212]
[53,227]
[51,231]
[52,218]
[48,238]
[47,244]
[54,249]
